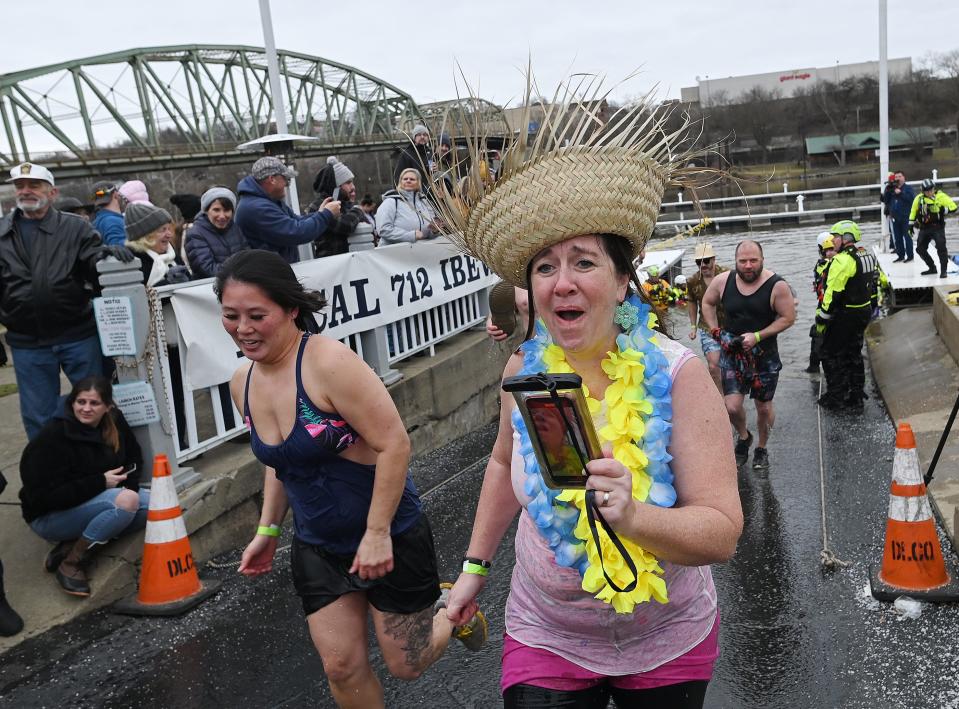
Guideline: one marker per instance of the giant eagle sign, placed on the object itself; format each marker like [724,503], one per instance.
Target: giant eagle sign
[364,290]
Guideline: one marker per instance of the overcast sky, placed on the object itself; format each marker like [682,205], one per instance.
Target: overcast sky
[414,45]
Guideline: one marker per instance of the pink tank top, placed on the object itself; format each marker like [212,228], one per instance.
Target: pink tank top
[547,607]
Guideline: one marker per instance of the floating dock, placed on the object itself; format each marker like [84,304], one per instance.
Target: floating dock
[908,288]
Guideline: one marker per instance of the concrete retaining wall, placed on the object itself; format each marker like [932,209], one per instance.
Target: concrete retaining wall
[946,319]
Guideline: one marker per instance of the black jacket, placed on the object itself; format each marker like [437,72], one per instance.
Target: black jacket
[48,300]
[416,157]
[64,465]
[207,247]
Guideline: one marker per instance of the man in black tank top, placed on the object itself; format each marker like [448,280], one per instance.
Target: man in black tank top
[758,305]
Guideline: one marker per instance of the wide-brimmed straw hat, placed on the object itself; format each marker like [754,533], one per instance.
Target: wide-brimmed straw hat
[583,172]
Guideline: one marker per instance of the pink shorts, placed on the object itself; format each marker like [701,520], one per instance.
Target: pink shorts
[541,668]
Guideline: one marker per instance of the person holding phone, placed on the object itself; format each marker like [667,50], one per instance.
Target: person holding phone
[406,215]
[611,595]
[81,482]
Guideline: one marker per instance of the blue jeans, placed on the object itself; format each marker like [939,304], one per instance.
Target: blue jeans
[902,239]
[38,377]
[98,520]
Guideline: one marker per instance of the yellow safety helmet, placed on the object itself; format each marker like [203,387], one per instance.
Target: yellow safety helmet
[846,227]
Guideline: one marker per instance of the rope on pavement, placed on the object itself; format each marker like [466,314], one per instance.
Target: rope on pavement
[828,560]
[229,564]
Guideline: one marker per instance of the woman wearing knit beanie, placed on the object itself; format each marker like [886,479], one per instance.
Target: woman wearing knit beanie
[149,230]
[214,235]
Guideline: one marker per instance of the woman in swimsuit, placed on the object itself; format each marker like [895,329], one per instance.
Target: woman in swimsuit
[337,453]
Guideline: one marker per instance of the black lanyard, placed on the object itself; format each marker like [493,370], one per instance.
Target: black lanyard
[592,509]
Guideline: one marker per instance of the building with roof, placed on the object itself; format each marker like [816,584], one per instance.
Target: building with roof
[825,150]
[708,92]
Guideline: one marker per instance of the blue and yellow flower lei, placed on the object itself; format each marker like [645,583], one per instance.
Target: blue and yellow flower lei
[638,412]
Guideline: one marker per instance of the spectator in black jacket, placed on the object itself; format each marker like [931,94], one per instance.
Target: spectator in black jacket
[335,182]
[81,482]
[214,235]
[417,155]
[48,277]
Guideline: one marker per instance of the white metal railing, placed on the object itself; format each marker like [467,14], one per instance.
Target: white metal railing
[786,194]
[205,417]
[423,331]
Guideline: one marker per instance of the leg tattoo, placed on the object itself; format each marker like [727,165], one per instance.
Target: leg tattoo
[414,631]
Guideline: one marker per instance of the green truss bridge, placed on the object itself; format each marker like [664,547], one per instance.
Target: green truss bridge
[174,107]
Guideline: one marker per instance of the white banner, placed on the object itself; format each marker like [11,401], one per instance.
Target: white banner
[364,290]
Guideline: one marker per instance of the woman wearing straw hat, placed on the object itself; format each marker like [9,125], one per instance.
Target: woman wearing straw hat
[589,618]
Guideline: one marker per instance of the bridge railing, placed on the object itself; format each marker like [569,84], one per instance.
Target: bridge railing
[387,305]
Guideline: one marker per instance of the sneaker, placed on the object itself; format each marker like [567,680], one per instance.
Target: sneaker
[908,259]
[929,272]
[761,460]
[742,448]
[897,259]
[502,307]
[473,635]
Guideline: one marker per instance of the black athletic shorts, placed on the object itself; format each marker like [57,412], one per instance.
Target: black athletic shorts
[321,577]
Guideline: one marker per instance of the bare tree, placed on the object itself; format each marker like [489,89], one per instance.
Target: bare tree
[910,111]
[757,112]
[946,66]
[839,102]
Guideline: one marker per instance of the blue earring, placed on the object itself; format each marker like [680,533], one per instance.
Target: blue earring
[627,316]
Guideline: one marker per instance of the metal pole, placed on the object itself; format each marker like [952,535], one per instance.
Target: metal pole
[279,107]
[927,478]
[883,115]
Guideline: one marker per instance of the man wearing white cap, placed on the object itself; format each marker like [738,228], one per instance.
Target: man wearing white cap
[696,286]
[47,274]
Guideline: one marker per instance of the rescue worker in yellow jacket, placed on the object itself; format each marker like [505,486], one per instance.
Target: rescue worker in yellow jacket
[929,210]
[842,318]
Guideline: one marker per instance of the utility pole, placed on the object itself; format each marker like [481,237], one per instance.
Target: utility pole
[279,108]
[883,115]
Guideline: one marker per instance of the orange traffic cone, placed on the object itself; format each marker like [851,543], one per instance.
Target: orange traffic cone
[912,562]
[169,584]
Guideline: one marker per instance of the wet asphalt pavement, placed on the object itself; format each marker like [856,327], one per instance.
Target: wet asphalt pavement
[792,635]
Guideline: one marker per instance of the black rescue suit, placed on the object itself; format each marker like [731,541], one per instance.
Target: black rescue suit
[845,311]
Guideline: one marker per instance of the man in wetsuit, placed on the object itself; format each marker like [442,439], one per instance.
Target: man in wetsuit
[844,313]
[758,305]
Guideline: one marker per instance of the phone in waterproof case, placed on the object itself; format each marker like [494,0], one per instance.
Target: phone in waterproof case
[559,425]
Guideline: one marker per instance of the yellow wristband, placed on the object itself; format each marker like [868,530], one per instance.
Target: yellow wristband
[272,531]
[756,335]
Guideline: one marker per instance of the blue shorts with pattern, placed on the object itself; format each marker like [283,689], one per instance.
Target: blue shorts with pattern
[708,343]
[759,382]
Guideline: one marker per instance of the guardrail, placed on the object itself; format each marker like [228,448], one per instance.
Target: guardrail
[386,305]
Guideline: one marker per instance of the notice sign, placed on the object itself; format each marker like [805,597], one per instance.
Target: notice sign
[137,403]
[115,324]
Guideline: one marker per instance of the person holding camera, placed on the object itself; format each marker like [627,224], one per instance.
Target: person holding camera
[758,305]
[630,615]
[897,198]
[81,482]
